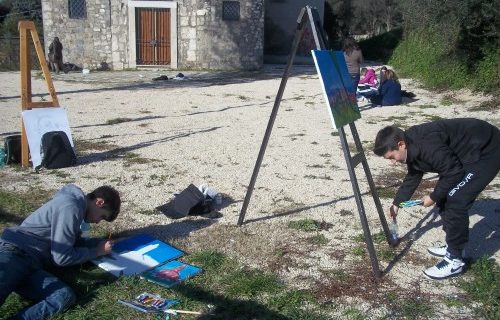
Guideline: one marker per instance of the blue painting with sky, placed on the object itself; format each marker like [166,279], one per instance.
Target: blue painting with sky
[337,87]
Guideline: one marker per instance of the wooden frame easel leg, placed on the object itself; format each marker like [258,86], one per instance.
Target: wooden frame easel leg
[25,70]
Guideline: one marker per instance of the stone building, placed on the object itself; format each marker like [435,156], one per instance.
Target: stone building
[201,34]
[178,34]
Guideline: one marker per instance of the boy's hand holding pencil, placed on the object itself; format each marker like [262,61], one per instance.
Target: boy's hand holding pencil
[105,247]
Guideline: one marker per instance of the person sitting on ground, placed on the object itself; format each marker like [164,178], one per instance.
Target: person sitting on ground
[389,92]
[51,237]
[381,75]
[465,153]
[368,77]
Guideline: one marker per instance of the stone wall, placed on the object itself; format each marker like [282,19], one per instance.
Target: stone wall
[204,40]
[208,42]
[100,37]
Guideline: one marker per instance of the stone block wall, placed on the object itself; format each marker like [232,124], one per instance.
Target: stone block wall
[207,41]
[100,37]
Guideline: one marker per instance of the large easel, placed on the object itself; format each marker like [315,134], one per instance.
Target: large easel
[26,27]
[309,14]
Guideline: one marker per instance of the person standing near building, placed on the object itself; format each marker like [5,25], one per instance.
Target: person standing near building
[353,58]
[56,56]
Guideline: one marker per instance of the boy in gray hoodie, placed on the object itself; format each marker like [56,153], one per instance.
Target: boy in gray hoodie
[51,236]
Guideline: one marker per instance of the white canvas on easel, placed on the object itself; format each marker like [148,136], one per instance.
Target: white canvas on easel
[39,121]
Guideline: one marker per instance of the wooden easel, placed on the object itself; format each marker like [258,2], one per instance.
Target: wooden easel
[25,66]
[309,14]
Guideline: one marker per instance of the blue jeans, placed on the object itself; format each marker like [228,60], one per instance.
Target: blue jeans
[23,274]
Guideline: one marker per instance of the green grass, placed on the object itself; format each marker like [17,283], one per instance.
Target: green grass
[413,308]
[15,206]
[117,121]
[359,251]
[490,106]
[319,239]
[234,291]
[448,100]
[427,106]
[386,193]
[307,225]
[483,286]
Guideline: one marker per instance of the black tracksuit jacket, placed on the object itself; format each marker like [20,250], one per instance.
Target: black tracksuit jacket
[444,147]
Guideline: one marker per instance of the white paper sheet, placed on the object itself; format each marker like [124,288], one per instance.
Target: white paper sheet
[39,121]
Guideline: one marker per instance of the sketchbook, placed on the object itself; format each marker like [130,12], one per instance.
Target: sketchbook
[137,254]
[171,273]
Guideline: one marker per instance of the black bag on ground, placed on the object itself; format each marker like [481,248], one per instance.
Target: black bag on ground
[56,151]
[12,146]
[189,202]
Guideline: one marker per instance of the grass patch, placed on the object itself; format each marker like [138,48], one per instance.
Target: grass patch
[234,291]
[345,212]
[89,145]
[490,106]
[133,158]
[307,225]
[58,173]
[319,239]
[483,286]
[417,307]
[354,314]
[387,192]
[118,120]
[448,100]
[311,176]
[359,251]
[429,117]
[396,118]
[16,205]
[427,106]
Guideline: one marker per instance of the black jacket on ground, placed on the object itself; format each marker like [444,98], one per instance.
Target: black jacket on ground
[442,147]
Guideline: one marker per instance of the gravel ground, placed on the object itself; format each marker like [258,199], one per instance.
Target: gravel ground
[207,129]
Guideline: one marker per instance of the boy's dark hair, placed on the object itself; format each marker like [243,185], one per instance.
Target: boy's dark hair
[111,199]
[387,140]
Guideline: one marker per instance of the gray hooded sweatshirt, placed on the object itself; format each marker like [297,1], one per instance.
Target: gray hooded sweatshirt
[52,233]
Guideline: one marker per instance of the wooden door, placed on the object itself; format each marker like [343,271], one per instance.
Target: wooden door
[152,36]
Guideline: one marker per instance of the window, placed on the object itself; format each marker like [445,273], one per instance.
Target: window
[77,9]
[230,10]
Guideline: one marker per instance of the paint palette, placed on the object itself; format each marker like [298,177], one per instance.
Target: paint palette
[149,303]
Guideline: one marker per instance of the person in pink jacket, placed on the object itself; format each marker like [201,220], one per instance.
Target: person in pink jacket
[368,77]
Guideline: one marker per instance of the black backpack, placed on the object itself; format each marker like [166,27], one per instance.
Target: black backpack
[12,146]
[189,201]
[56,151]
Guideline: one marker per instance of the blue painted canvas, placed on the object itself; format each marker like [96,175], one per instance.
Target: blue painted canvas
[171,273]
[337,87]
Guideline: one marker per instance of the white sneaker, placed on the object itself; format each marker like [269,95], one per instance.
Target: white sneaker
[446,268]
[438,251]
[441,251]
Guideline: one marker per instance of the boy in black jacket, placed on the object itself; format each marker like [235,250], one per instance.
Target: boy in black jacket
[466,155]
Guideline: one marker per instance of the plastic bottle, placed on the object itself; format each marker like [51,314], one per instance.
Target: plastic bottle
[85,228]
[393,228]
[2,157]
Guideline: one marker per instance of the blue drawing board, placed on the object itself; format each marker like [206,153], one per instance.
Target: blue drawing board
[337,86]
[136,255]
